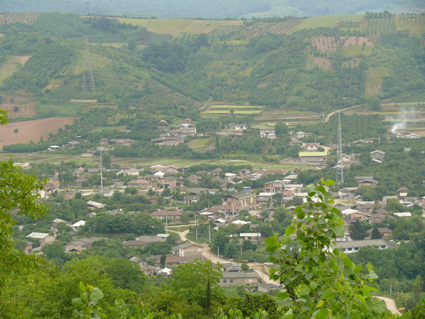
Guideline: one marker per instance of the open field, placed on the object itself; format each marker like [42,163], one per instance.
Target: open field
[31,130]
[113,44]
[55,158]
[177,26]
[201,143]
[12,64]
[219,106]
[108,128]
[236,112]
[326,22]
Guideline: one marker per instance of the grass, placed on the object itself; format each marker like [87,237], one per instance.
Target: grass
[375,76]
[200,143]
[355,51]
[97,62]
[67,109]
[326,22]
[9,67]
[234,107]
[236,112]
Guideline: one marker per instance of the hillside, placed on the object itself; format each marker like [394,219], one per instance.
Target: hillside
[212,9]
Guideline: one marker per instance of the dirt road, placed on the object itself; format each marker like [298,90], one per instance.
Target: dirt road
[390,305]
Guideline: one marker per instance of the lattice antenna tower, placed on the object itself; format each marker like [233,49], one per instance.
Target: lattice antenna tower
[88,84]
[340,164]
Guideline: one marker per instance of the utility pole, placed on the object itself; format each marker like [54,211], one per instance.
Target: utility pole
[209,233]
[340,163]
[87,69]
[101,170]
[218,253]
[196,229]
[166,224]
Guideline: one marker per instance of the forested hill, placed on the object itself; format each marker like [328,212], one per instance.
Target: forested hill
[218,9]
[173,67]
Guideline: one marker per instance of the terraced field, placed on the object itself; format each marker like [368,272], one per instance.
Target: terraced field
[26,18]
[291,117]
[223,110]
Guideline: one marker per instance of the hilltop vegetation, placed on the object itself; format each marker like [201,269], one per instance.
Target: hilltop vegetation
[211,9]
[263,62]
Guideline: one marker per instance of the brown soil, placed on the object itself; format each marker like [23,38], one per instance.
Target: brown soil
[329,44]
[26,107]
[32,130]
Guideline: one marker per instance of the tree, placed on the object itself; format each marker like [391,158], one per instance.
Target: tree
[162,260]
[15,109]
[376,234]
[374,103]
[106,160]
[281,129]
[208,297]
[357,231]
[16,130]
[190,282]
[320,283]
[244,267]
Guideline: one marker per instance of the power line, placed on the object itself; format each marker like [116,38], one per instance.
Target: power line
[87,69]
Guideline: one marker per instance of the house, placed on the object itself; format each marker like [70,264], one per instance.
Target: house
[143,241]
[240,278]
[104,141]
[190,199]
[402,192]
[129,172]
[381,211]
[403,214]
[243,199]
[274,187]
[175,260]
[93,204]
[239,127]
[43,238]
[52,185]
[78,171]
[187,121]
[28,248]
[254,237]
[216,171]
[301,135]
[189,249]
[311,147]
[139,183]
[230,176]
[385,232]
[166,214]
[347,193]
[23,165]
[366,208]
[56,222]
[378,155]
[368,182]
[83,243]
[349,247]
[73,144]
[187,129]
[274,171]
[77,225]
[267,287]
[169,182]
[194,179]
[313,158]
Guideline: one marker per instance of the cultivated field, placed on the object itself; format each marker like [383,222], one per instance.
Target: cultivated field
[9,18]
[31,130]
[242,110]
[326,22]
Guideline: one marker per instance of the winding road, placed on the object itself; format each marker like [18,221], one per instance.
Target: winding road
[390,303]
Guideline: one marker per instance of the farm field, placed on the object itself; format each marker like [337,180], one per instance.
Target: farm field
[113,44]
[218,106]
[31,130]
[177,26]
[108,128]
[12,64]
[201,143]
[326,22]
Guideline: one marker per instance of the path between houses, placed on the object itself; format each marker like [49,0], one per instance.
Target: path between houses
[260,268]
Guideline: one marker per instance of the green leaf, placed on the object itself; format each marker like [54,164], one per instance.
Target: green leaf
[321,303]
[328,294]
[282,294]
[97,294]
[321,314]
[289,231]
[372,274]
[329,182]
[313,285]
[82,286]
[270,240]
[311,189]
[300,213]
[303,290]
[339,230]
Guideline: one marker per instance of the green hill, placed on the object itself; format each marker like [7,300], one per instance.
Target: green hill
[163,66]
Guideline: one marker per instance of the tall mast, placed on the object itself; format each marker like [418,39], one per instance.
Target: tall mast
[340,163]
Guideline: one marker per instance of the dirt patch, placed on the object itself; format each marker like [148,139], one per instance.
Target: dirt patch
[329,44]
[32,130]
[374,90]
[351,64]
[1,35]
[23,59]
[323,63]
[18,107]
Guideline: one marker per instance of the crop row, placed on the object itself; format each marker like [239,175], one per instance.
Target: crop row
[261,28]
[10,18]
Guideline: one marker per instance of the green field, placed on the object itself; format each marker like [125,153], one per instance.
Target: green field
[9,67]
[375,76]
[201,143]
[212,107]
[326,22]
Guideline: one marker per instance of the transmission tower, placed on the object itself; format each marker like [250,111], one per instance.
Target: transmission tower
[340,163]
[100,149]
[88,84]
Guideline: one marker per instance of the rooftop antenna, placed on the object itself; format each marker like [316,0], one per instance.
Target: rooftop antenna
[87,72]
[340,163]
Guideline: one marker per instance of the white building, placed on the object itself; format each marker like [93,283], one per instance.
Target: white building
[77,225]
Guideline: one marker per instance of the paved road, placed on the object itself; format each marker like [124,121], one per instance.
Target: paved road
[390,305]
